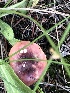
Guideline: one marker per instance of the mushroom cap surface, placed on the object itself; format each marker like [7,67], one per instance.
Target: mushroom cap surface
[28,71]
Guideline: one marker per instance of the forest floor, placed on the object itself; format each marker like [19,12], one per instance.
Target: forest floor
[56,79]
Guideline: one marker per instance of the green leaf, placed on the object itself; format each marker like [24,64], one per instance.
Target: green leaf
[6,30]
[13,41]
[22,4]
[12,83]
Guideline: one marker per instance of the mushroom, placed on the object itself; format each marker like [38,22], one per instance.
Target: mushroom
[28,71]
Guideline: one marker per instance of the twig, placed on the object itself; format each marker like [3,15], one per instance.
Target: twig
[58,85]
[41,11]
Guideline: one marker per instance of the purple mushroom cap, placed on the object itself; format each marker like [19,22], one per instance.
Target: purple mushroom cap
[28,71]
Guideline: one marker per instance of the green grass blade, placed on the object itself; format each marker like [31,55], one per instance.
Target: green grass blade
[44,33]
[8,2]
[22,4]
[44,72]
[66,67]
[65,34]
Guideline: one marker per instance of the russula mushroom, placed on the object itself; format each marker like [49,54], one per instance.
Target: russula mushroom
[29,71]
